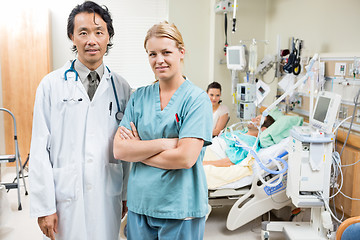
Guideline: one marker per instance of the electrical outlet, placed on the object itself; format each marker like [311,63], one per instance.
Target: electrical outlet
[340,69]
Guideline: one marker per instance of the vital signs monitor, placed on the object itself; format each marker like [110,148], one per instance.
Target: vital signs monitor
[325,113]
[235,58]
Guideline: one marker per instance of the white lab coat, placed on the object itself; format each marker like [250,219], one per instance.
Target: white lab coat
[72,168]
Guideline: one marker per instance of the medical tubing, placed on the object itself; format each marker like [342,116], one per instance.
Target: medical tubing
[341,123]
[253,153]
[356,98]
[336,160]
[283,154]
[262,119]
[276,159]
[275,183]
[328,208]
[355,199]
[352,164]
[334,177]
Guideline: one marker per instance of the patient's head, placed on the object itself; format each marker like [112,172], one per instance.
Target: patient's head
[253,127]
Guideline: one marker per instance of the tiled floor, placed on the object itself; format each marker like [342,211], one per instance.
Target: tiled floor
[17,225]
[14,224]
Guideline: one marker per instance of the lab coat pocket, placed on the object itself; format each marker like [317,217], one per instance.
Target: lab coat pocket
[114,179]
[66,183]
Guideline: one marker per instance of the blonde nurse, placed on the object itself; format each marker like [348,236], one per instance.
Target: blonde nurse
[164,132]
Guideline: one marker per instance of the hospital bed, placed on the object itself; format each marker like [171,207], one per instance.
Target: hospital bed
[249,197]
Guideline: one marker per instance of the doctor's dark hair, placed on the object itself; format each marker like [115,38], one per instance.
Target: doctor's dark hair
[91,7]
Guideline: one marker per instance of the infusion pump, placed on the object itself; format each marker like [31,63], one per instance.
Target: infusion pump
[246,92]
[246,110]
[310,157]
[246,98]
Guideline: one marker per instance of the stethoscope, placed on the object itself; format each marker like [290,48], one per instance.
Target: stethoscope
[119,115]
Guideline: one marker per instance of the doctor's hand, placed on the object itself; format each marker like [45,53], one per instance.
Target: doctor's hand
[125,133]
[48,225]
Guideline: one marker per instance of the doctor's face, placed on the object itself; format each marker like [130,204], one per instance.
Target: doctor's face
[90,38]
[164,57]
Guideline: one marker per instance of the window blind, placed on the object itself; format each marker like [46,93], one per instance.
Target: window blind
[131,20]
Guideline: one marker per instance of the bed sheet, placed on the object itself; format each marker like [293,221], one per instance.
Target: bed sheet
[240,175]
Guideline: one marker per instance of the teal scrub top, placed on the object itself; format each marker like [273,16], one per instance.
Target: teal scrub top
[161,193]
[234,153]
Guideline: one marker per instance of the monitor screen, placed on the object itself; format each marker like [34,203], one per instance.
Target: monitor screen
[322,109]
[261,90]
[325,112]
[234,56]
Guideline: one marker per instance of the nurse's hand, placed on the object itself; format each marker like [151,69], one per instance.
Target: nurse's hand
[125,133]
[48,225]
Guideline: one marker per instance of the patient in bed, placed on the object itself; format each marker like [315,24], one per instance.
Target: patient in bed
[236,154]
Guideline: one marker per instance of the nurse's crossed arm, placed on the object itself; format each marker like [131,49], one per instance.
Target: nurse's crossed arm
[129,148]
[125,133]
[183,153]
[184,156]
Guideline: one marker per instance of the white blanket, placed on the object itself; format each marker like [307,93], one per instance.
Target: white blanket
[237,175]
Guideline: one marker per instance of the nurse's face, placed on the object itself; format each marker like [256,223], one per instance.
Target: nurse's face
[164,58]
[90,38]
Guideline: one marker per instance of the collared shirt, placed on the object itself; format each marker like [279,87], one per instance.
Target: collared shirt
[83,72]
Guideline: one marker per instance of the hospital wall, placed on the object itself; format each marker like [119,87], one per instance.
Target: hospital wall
[192,19]
[250,23]
[204,36]
[328,27]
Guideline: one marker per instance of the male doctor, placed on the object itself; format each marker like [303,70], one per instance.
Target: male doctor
[77,188]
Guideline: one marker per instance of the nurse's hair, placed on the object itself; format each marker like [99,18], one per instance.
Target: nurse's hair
[214,85]
[91,7]
[165,29]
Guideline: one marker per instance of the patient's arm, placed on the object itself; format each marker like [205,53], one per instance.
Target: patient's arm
[224,162]
[128,146]
[184,156]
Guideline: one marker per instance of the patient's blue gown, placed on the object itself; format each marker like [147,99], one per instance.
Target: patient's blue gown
[234,153]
